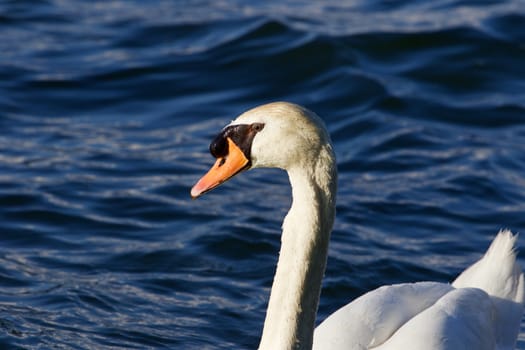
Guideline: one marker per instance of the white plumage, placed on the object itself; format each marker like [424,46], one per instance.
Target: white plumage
[480,310]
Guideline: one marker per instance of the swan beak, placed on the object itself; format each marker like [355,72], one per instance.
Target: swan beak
[223,169]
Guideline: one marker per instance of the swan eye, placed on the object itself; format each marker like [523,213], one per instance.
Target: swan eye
[257,127]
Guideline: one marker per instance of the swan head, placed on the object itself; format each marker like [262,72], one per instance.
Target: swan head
[275,135]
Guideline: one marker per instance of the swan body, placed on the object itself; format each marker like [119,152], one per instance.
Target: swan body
[481,309]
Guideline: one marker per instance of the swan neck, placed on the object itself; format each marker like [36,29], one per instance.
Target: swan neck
[294,297]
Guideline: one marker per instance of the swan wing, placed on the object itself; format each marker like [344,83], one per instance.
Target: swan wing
[461,319]
[424,315]
[499,274]
[373,318]
[482,310]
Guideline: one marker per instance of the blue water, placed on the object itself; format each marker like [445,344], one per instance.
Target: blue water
[106,112]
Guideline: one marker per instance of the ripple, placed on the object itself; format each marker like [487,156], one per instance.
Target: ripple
[107,110]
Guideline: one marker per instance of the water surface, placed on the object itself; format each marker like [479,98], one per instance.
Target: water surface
[106,112]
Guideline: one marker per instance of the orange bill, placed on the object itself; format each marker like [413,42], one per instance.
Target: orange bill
[223,169]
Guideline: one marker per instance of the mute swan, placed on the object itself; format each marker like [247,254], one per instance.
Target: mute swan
[481,309]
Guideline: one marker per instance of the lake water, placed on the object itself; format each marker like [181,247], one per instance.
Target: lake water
[107,109]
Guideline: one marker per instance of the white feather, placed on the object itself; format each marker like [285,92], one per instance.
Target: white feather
[481,310]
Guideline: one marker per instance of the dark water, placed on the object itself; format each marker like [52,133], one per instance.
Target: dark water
[106,112]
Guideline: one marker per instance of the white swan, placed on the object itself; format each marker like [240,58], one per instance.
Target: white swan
[482,309]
